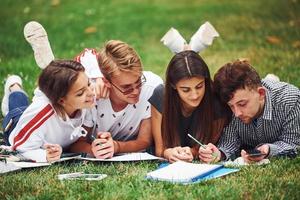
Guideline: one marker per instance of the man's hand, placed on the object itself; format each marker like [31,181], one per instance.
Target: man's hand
[53,152]
[103,146]
[209,154]
[179,153]
[264,149]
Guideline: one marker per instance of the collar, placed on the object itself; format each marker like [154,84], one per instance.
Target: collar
[267,114]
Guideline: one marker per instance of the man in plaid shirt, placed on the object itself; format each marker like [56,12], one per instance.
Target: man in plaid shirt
[266,115]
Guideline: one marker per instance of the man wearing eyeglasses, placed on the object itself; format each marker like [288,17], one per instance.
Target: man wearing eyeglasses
[123,119]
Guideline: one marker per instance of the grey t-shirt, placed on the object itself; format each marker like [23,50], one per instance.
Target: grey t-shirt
[157,98]
[183,128]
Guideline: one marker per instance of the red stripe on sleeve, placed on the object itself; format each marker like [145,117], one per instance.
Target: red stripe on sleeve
[32,125]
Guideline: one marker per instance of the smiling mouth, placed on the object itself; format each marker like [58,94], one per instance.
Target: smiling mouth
[134,97]
[90,101]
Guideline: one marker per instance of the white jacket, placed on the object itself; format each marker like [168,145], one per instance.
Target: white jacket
[40,124]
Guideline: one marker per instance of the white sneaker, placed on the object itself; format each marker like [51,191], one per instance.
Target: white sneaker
[11,80]
[272,77]
[37,37]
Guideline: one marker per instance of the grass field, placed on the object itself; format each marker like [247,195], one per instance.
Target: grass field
[267,32]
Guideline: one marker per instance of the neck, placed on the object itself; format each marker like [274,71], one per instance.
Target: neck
[116,103]
[186,110]
[71,112]
[260,110]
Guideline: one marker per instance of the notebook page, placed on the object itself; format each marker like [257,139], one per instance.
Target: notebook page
[181,171]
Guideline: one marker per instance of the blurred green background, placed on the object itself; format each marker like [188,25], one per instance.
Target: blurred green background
[267,32]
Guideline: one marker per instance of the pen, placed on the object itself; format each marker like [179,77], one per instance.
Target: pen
[92,138]
[202,145]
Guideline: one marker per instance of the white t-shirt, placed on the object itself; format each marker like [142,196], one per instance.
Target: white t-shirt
[40,124]
[124,125]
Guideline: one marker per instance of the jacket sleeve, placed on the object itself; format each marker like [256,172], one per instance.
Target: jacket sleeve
[28,137]
[229,142]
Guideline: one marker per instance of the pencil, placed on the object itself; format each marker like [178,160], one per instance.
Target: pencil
[202,145]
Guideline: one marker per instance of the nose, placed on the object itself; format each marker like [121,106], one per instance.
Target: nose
[194,94]
[91,90]
[136,90]
[237,112]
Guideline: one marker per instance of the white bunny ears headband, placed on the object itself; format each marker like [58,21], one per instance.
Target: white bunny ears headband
[199,41]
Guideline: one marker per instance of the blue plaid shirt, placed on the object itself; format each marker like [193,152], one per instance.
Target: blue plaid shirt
[278,126]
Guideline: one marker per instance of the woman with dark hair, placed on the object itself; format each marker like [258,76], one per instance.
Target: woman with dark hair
[189,107]
[54,118]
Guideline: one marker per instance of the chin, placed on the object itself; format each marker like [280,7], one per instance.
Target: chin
[132,100]
[89,104]
[194,104]
[247,121]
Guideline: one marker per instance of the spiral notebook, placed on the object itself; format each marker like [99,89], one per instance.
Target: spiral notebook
[183,172]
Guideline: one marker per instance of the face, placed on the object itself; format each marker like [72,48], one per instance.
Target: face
[126,86]
[247,104]
[80,96]
[191,91]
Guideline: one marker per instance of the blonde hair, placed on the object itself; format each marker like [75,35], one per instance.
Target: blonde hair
[118,56]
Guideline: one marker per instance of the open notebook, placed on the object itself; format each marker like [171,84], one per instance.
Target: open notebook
[128,157]
[183,172]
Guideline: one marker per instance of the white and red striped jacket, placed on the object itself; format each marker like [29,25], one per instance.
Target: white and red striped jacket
[40,124]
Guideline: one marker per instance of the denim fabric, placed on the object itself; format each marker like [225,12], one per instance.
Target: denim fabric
[17,103]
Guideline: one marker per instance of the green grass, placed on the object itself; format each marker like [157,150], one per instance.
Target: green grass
[277,180]
[244,27]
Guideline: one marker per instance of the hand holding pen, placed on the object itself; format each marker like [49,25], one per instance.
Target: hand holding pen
[102,146]
[53,152]
[207,153]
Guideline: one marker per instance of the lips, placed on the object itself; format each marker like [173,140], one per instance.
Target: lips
[90,100]
[195,102]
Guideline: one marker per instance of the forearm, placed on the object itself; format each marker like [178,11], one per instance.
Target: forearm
[289,140]
[81,146]
[130,146]
[281,148]
[37,155]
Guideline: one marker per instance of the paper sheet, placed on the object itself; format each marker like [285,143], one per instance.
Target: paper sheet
[7,167]
[127,157]
[29,164]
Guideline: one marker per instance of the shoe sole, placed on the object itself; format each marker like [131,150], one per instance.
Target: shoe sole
[36,36]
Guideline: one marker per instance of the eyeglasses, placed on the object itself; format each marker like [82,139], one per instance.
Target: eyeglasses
[141,82]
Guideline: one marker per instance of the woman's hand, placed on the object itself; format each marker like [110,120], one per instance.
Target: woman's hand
[209,154]
[102,88]
[178,153]
[53,152]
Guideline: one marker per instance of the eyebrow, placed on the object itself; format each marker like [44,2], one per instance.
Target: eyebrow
[127,85]
[237,102]
[83,88]
[201,82]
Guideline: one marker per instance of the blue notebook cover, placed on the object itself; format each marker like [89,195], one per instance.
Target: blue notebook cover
[217,172]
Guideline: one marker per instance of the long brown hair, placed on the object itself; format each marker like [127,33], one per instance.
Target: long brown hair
[56,80]
[188,64]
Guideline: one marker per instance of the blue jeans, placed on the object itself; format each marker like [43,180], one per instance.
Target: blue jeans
[17,103]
